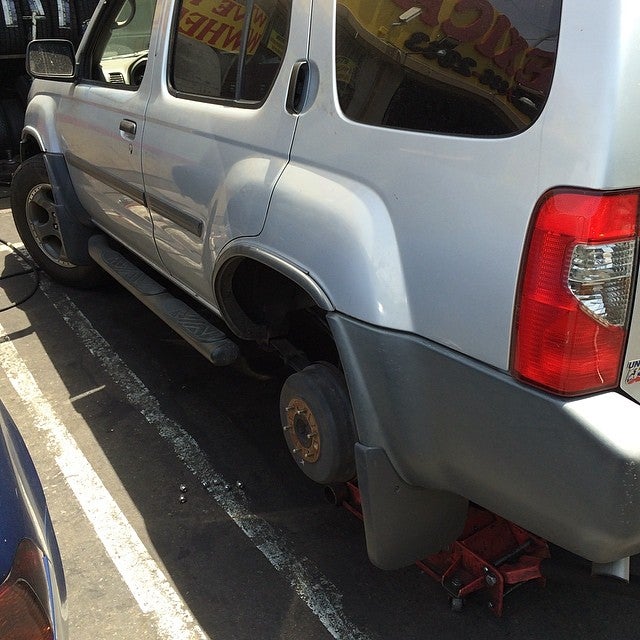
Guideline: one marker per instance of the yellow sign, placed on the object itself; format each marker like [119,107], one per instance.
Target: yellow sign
[218,23]
[491,34]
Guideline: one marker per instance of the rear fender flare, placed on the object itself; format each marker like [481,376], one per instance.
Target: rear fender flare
[229,259]
[341,233]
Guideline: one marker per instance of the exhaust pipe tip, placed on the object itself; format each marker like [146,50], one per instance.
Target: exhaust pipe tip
[336,494]
[618,569]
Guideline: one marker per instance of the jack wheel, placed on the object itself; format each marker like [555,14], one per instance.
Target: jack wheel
[318,423]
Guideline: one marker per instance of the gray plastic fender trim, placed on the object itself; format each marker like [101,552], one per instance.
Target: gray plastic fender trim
[566,469]
[63,191]
[75,224]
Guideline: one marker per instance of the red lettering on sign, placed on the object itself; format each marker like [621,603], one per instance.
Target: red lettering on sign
[239,12]
[232,41]
[473,31]
[489,45]
[258,19]
[224,8]
[537,70]
[212,32]
[431,15]
[191,23]
[254,40]
[507,59]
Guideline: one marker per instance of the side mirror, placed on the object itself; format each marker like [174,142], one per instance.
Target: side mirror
[51,59]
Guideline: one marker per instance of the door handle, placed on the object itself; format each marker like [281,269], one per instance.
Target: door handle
[298,87]
[128,128]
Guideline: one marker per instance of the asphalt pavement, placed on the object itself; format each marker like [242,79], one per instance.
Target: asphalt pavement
[180,513]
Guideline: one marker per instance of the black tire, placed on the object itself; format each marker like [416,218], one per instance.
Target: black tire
[5,133]
[22,86]
[34,215]
[12,117]
[13,37]
[318,423]
[43,21]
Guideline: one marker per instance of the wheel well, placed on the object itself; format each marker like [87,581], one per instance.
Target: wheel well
[29,147]
[260,303]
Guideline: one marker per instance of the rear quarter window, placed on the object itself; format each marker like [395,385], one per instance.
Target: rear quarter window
[458,67]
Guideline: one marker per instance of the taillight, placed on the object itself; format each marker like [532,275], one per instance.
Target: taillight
[22,613]
[575,291]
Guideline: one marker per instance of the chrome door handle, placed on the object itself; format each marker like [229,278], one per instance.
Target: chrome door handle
[129,128]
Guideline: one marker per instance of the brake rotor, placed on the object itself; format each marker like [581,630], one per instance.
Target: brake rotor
[302,431]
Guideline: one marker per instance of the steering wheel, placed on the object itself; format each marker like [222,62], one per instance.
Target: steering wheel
[136,71]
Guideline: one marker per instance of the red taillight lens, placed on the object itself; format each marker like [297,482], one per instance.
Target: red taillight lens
[575,291]
[22,614]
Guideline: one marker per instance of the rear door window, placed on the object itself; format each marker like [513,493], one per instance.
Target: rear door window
[229,49]
[459,67]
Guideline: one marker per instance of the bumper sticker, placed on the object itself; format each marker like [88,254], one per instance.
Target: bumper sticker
[633,372]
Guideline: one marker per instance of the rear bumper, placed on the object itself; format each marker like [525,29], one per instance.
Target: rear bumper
[566,469]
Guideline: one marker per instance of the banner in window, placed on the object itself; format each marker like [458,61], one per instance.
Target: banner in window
[219,24]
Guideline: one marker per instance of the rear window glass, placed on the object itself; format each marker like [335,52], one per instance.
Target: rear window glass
[459,67]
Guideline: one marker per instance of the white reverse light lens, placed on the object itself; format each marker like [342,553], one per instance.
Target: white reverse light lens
[600,279]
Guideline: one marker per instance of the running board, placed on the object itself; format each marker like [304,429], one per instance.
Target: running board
[212,343]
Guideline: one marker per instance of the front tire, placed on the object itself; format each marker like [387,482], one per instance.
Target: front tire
[34,214]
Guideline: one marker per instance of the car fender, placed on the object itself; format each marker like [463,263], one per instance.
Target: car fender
[340,233]
[40,121]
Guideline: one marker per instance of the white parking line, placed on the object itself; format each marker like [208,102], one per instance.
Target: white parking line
[320,595]
[146,581]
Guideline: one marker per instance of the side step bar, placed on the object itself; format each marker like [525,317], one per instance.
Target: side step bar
[196,330]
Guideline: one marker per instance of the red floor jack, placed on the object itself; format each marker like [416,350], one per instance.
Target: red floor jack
[491,555]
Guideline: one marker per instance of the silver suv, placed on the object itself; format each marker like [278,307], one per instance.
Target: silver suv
[428,207]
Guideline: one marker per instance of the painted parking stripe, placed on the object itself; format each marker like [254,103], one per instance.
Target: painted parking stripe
[153,592]
[321,596]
